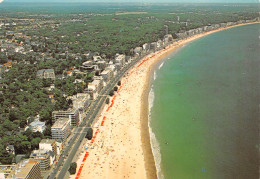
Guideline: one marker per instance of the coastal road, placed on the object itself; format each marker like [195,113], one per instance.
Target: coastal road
[80,132]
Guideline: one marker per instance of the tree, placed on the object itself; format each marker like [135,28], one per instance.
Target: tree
[5,157]
[47,131]
[115,88]
[70,102]
[73,168]
[37,135]
[22,145]
[107,101]
[28,133]
[111,93]
[35,142]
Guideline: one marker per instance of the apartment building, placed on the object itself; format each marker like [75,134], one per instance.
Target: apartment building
[26,169]
[49,145]
[60,130]
[43,156]
[71,114]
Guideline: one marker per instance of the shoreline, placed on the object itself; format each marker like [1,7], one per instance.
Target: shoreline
[122,147]
[150,163]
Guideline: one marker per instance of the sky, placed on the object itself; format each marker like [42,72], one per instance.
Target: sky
[141,1]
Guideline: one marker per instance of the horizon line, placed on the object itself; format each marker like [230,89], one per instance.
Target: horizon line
[135,2]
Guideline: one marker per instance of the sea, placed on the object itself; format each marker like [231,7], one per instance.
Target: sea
[204,108]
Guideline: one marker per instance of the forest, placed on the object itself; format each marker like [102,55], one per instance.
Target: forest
[119,32]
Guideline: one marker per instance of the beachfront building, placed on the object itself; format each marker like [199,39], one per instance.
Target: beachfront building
[71,114]
[94,88]
[200,30]
[60,130]
[81,101]
[120,58]
[216,26]
[146,47]
[138,50]
[159,44]
[45,157]
[167,38]
[49,145]
[27,169]
[46,74]
[153,46]
[107,75]
[182,35]
[112,68]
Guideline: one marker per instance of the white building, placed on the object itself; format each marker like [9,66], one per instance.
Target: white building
[26,169]
[153,46]
[96,58]
[159,43]
[120,59]
[96,86]
[60,130]
[107,75]
[138,50]
[81,101]
[49,145]
[71,114]
[112,68]
[167,38]
[146,47]
[87,63]
[44,157]
[36,126]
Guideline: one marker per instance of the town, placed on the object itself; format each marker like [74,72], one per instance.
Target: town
[49,89]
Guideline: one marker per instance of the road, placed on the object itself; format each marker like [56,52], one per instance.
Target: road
[64,163]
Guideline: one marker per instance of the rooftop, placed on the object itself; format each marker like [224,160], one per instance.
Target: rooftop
[95,82]
[70,110]
[45,70]
[60,123]
[47,141]
[39,154]
[22,169]
[37,123]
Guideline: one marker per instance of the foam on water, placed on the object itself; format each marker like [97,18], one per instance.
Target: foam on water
[154,143]
[154,75]
[161,65]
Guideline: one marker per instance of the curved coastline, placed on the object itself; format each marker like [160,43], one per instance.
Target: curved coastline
[150,162]
[123,147]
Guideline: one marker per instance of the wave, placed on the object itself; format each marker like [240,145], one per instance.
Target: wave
[154,143]
[154,75]
[161,65]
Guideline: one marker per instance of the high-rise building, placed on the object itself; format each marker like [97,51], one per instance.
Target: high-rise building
[49,145]
[26,169]
[71,114]
[43,156]
[60,130]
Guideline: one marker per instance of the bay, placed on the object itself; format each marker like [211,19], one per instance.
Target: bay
[205,112]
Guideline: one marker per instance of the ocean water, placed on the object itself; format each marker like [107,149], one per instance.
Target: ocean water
[204,108]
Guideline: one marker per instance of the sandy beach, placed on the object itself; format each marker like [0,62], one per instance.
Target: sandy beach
[121,144]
